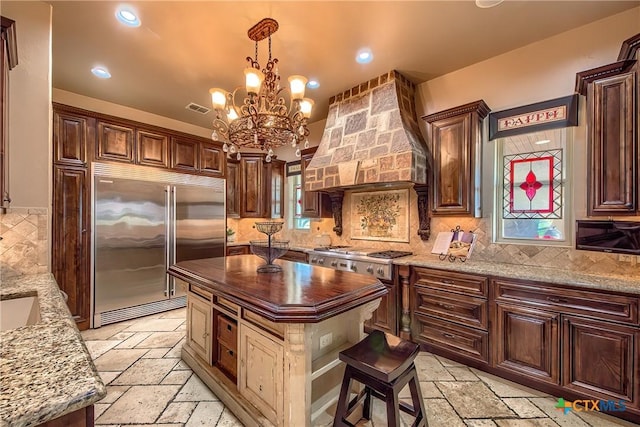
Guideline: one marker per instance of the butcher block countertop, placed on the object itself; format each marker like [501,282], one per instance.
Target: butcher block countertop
[300,293]
[45,369]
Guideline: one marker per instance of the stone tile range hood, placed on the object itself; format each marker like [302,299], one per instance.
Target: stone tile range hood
[371,141]
[371,138]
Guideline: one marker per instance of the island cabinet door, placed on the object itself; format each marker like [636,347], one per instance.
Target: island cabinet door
[261,372]
[199,324]
[598,359]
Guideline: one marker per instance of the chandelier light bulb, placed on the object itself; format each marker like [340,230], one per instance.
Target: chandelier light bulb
[232,115]
[297,85]
[218,98]
[253,79]
[306,105]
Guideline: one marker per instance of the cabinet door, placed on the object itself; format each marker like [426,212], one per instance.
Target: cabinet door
[199,324]
[613,173]
[385,316]
[261,372]
[598,358]
[252,203]
[233,189]
[212,159]
[275,189]
[526,341]
[184,154]
[153,149]
[314,204]
[114,142]
[70,135]
[70,261]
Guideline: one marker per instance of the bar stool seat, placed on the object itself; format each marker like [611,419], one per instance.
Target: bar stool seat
[384,364]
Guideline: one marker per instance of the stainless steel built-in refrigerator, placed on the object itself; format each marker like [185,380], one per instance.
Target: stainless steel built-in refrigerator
[144,220]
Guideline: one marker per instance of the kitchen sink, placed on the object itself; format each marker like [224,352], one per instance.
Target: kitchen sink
[17,312]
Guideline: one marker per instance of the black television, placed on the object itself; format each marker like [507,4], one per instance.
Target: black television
[622,237]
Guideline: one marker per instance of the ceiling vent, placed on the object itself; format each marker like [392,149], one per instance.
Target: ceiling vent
[197,108]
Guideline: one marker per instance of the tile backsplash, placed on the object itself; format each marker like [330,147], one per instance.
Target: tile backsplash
[25,241]
[528,256]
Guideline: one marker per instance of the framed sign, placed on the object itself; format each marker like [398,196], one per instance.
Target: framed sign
[556,113]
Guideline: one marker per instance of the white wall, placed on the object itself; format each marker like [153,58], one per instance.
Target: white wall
[30,106]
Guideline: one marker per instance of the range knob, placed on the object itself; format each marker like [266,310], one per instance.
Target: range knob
[354,267]
[370,269]
[321,261]
[334,263]
[314,260]
[381,271]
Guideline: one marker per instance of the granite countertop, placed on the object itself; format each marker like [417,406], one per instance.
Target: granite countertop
[45,369]
[628,284]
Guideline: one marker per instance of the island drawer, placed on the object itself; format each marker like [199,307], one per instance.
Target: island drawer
[468,284]
[227,360]
[463,309]
[602,305]
[449,336]
[227,331]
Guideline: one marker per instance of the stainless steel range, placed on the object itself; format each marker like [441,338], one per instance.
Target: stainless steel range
[360,260]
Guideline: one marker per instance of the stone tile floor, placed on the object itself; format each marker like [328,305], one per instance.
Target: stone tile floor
[148,384]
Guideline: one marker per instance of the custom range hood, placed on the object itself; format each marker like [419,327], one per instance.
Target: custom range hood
[371,138]
[371,141]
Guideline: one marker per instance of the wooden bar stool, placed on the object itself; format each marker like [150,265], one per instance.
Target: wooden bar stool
[383,363]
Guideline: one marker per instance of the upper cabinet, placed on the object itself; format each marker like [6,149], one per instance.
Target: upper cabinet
[314,203]
[8,60]
[71,138]
[612,92]
[153,149]
[114,142]
[456,141]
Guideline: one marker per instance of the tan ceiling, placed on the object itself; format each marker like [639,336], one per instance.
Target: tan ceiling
[184,48]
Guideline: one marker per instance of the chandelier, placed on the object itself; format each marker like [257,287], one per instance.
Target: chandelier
[263,120]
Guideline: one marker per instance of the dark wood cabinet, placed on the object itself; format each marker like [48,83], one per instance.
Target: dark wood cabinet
[315,204]
[274,173]
[252,190]
[613,139]
[71,228]
[153,149]
[450,314]
[8,60]
[212,159]
[114,142]
[598,359]
[70,139]
[456,141]
[296,256]
[385,318]
[527,341]
[184,154]
[237,250]
[233,189]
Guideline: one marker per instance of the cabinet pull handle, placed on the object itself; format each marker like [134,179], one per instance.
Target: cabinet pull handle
[260,387]
[447,281]
[447,306]
[556,299]
[228,327]
[231,353]
[446,335]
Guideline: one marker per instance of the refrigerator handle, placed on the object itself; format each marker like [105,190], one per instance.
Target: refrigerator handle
[174,237]
[167,230]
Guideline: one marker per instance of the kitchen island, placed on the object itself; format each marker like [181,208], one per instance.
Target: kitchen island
[267,343]
[47,376]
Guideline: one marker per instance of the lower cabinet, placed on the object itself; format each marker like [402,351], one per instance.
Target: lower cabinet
[261,370]
[296,256]
[199,326]
[237,250]
[599,359]
[527,342]
[385,318]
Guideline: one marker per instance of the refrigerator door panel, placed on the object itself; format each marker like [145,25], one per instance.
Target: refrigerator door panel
[130,234]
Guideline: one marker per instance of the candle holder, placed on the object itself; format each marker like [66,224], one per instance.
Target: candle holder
[270,249]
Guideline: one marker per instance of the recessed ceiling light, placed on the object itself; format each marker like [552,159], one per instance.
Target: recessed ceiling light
[542,141]
[313,84]
[127,16]
[485,4]
[101,72]
[364,56]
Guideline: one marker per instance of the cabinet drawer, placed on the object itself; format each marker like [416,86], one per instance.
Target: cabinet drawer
[597,304]
[448,281]
[463,309]
[275,328]
[227,360]
[202,293]
[450,336]
[227,331]
[237,250]
[296,256]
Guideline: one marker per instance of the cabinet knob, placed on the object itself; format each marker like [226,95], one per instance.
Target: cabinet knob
[205,335]
[228,327]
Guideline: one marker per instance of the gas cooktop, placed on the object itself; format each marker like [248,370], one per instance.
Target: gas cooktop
[389,254]
[371,252]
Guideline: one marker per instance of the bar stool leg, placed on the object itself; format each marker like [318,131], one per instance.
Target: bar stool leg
[366,411]
[343,400]
[418,403]
[393,410]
